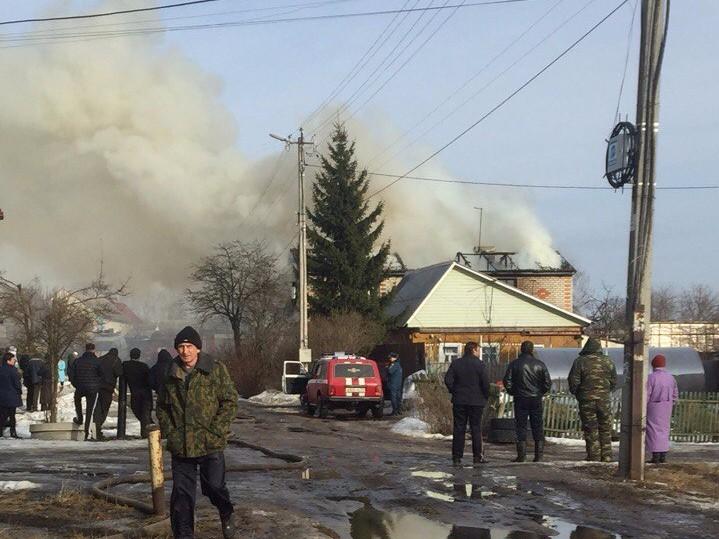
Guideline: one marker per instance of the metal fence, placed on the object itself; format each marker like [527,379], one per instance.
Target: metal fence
[695,417]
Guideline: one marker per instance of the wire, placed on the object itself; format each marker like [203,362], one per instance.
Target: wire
[355,69]
[465,84]
[489,83]
[527,185]
[626,60]
[505,100]
[255,22]
[107,13]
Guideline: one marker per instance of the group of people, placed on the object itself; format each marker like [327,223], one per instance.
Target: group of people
[95,380]
[592,379]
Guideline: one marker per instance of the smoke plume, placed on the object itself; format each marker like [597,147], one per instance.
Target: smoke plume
[125,152]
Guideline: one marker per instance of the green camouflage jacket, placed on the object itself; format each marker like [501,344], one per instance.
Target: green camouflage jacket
[195,414]
[593,376]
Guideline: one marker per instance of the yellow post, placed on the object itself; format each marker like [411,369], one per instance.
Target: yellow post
[156,469]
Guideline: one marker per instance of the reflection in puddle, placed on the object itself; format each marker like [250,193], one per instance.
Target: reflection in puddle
[431,475]
[370,523]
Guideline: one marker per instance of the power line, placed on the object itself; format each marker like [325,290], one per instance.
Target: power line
[106,13]
[356,68]
[465,83]
[527,185]
[505,100]
[253,22]
[490,82]
[626,60]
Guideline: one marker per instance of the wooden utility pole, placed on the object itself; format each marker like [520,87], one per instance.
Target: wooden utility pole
[305,353]
[654,18]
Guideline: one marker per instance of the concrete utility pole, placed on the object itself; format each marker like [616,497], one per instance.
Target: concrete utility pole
[654,18]
[305,353]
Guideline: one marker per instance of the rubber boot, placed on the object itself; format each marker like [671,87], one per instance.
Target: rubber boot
[538,451]
[662,458]
[521,452]
[13,433]
[655,458]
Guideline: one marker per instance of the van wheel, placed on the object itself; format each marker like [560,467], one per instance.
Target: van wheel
[378,411]
[322,408]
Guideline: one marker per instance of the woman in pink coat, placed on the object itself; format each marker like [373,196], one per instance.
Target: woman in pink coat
[662,393]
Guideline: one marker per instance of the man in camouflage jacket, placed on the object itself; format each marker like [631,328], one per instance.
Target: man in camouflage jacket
[195,409]
[592,379]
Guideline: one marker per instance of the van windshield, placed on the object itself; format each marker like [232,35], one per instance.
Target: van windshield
[353,370]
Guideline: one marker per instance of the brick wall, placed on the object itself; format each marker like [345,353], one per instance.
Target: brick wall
[553,289]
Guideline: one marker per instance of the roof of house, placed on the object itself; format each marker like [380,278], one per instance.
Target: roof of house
[122,313]
[418,285]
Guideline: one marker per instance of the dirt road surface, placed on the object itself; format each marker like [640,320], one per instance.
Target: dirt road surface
[364,482]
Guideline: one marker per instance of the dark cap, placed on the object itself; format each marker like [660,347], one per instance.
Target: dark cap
[188,335]
[135,353]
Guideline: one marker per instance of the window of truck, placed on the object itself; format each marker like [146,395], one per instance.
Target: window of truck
[353,370]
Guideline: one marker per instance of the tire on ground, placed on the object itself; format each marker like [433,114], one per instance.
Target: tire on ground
[502,436]
[502,423]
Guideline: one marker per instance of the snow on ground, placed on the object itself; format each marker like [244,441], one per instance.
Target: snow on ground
[66,412]
[6,486]
[273,397]
[416,428]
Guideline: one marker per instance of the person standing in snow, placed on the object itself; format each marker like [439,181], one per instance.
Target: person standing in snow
[394,381]
[32,371]
[137,376]
[468,382]
[527,380]
[86,376]
[662,393]
[111,366]
[195,409]
[158,372]
[591,379]
[10,393]
[61,372]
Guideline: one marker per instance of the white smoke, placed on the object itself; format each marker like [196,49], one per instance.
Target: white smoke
[124,151]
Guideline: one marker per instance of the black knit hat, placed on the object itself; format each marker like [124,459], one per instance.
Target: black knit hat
[135,353]
[189,334]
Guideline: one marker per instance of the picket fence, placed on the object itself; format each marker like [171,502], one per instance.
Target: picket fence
[695,417]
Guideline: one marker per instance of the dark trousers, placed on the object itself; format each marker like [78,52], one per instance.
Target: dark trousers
[141,405]
[7,417]
[529,407]
[92,409]
[33,397]
[104,399]
[184,486]
[396,400]
[462,414]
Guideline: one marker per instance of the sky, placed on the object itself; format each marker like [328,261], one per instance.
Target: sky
[270,77]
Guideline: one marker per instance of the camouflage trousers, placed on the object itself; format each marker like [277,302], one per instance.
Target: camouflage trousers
[596,416]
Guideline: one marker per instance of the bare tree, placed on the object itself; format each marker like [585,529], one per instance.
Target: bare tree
[699,303]
[582,294]
[606,310]
[49,322]
[240,284]
[349,332]
[664,304]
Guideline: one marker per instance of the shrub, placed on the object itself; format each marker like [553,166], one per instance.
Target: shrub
[434,405]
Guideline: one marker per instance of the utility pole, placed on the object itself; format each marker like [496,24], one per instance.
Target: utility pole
[479,239]
[654,17]
[305,353]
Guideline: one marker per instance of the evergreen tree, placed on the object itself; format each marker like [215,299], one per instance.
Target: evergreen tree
[345,269]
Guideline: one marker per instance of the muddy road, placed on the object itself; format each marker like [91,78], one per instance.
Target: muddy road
[364,482]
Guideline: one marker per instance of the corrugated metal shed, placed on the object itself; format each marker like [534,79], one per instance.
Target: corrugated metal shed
[683,362]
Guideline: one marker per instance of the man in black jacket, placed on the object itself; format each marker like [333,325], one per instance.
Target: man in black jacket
[137,376]
[468,383]
[86,376]
[32,373]
[111,366]
[527,380]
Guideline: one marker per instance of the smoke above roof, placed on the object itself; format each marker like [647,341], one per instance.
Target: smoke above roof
[126,152]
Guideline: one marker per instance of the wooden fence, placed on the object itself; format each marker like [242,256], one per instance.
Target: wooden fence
[695,417]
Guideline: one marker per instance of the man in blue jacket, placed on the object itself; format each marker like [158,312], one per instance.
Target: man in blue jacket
[468,382]
[10,393]
[394,374]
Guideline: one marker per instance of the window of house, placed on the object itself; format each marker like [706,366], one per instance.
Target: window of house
[449,352]
[490,353]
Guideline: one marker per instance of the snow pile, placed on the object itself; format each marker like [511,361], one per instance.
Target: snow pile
[572,442]
[416,428]
[273,397]
[7,486]
[409,388]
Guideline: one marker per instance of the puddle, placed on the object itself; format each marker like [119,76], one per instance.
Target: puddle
[431,475]
[371,523]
